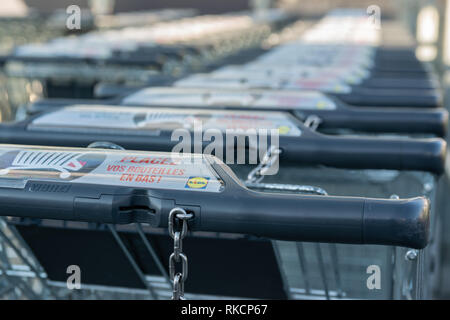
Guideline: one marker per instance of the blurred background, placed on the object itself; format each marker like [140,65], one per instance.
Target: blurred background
[426,20]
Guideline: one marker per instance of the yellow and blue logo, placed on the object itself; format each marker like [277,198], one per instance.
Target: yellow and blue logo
[196,183]
[321,104]
[283,129]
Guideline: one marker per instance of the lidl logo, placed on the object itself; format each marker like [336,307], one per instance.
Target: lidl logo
[284,129]
[321,104]
[196,183]
[338,88]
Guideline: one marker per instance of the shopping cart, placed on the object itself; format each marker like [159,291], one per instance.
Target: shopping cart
[275,260]
[361,182]
[71,67]
[230,266]
[19,30]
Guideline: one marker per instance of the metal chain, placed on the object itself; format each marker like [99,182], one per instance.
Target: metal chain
[178,256]
[270,157]
[255,177]
[302,189]
[313,122]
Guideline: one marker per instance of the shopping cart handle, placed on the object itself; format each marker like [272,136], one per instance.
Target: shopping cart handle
[290,217]
[2,61]
[120,187]
[390,120]
[333,219]
[362,153]
[393,98]
[325,219]
[404,222]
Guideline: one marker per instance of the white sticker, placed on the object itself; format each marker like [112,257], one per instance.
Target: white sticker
[322,85]
[177,97]
[63,50]
[142,120]
[291,72]
[302,100]
[164,97]
[205,81]
[149,170]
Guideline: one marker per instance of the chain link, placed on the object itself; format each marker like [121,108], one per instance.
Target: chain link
[272,155]
[269,159]
[255,177]
[178,257]
[303,189]
[313,122]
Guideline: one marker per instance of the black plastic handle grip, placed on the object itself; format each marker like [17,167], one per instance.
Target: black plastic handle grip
[399,83]
[361,96]
[324,219]
[434,121]
[309,149]
[2,61]
[236,210]
[362,153]
[98,206]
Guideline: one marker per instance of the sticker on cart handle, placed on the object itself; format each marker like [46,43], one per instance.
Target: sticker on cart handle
[149,170]
[301,100]
[151,120]
[48,163]
[340,87]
